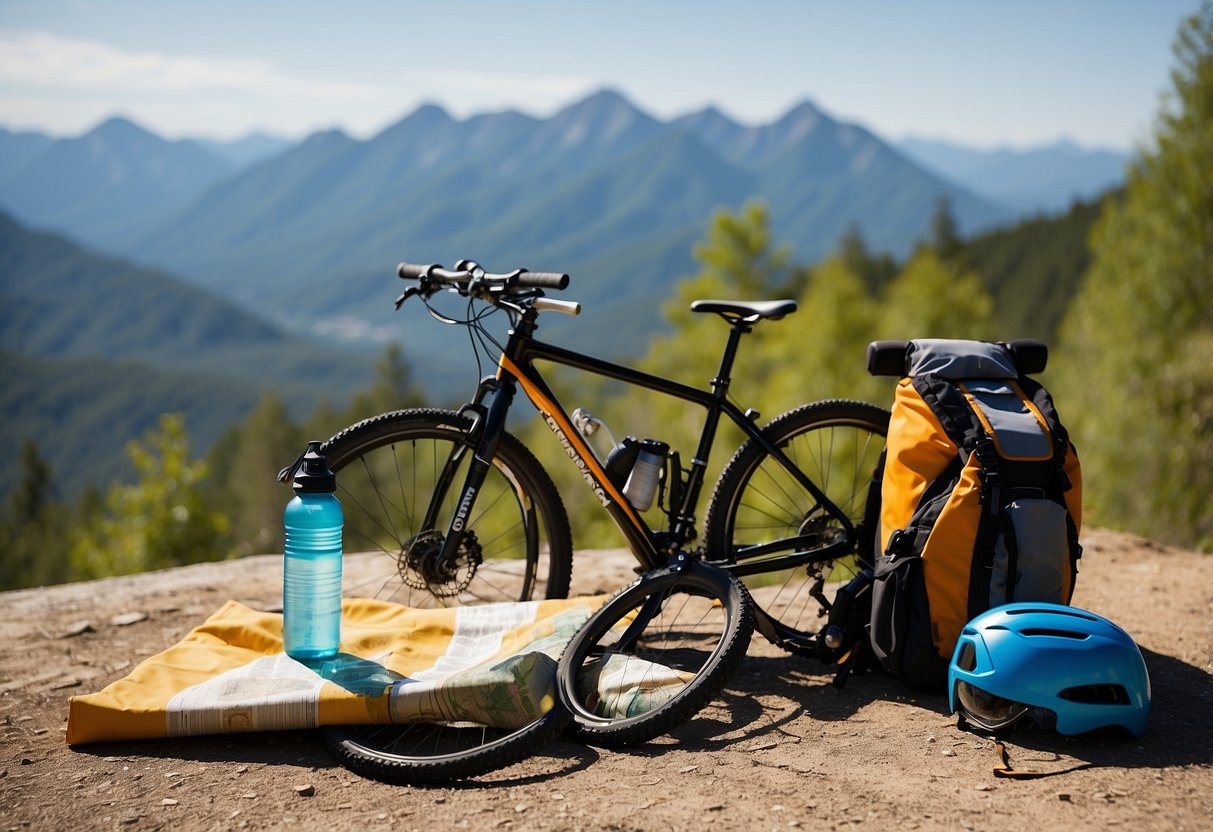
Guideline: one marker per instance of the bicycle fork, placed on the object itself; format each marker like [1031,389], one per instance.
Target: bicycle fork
[487,427]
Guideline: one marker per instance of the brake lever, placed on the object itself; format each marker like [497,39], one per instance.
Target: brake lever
[408,293]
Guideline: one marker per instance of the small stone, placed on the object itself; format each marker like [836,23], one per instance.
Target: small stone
[125,619]
[168,801]
[983,787]
[949,752]
[687,769]
[440,800]
[763,746]
[521,807]
[78,628]
[930,739]
[305,790]
[26,761]
[1064,797]
[557,796]
[249,795]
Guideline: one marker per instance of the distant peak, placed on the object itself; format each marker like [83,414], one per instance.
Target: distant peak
[805,111]
[605,100]
[426,115]
[333,135]
[119,126]
[710,114]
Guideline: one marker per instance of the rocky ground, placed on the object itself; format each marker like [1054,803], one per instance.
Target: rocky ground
[783,748]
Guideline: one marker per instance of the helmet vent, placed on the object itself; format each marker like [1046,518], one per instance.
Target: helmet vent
[967,660]
[1045,631]
[1060,611]
[1097,695]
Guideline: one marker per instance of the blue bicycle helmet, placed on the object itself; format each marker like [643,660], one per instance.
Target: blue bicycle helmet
[1066,668]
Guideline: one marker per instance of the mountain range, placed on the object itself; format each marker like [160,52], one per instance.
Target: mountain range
[306,234]
[139,274]
[1043,179]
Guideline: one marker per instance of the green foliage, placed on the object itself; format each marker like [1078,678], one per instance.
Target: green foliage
[161,520]
[33,528]
[245,462]
[244,465]
[931,299]
[876,270]
[943,235]
[818,353]
[1033,269]
[1137,350]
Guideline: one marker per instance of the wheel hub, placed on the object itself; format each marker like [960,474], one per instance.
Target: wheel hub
[422,566]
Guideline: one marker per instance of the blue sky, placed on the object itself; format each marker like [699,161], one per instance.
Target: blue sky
[1011,74]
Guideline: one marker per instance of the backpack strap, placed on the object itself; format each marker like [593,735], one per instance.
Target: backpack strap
[967,432]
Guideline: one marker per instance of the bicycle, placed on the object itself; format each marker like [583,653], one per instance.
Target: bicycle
[468,514]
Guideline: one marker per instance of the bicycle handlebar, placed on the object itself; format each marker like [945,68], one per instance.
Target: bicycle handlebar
[467,271]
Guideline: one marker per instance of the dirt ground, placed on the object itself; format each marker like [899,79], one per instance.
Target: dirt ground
[783,749]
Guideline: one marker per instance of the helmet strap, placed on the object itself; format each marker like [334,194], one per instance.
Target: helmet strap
[1005,769]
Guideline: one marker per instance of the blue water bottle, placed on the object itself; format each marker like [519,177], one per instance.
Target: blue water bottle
[311,585]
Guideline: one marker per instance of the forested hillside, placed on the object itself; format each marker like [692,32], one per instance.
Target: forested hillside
[97,348]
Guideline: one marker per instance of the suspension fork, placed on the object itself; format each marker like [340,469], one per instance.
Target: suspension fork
[486,433]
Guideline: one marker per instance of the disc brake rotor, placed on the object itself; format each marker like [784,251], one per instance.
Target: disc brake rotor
[422,567]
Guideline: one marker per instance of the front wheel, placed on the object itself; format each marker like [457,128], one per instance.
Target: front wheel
[435,753]
[761,521]
[399,476]
[655,654]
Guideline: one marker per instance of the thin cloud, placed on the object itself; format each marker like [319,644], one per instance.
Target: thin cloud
[67,83]
[41,60]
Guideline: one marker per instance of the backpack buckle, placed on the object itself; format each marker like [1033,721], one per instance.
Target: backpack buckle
[901,543]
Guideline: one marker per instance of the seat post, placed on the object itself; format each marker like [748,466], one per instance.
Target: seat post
[720,384]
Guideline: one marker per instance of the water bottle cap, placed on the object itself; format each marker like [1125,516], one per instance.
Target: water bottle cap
[314,476]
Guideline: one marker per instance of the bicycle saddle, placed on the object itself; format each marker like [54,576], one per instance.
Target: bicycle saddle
[746,310]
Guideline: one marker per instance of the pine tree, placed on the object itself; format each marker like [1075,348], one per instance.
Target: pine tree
[32,530]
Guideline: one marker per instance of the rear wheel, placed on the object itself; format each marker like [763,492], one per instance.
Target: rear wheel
[398,478]
[759,514]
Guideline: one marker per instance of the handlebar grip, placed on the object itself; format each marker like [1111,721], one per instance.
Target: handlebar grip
[412,271]
[543,280]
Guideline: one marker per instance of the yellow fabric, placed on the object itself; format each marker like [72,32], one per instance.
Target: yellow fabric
[493,664]
[917,451]
[947,558]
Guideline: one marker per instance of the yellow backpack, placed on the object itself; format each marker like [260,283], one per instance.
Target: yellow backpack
[981,497]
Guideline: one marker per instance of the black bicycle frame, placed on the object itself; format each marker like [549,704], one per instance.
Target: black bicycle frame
[516,368]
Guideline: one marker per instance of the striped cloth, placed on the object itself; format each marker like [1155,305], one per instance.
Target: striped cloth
[492,664]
